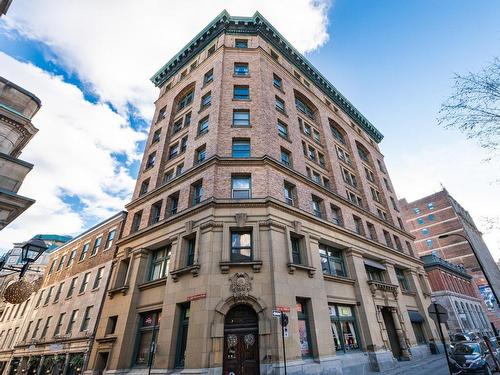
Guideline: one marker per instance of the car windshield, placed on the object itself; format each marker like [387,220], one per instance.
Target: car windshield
[467,349]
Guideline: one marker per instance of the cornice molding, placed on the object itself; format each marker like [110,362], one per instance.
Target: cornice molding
[258,25]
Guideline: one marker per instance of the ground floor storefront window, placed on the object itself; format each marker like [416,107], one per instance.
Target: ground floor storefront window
[344,328]
[417,321]
[147,335]
[304,331]
[180,356]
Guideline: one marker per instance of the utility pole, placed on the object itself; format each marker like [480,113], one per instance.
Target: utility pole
[284,323]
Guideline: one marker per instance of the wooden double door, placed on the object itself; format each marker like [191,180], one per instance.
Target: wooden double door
[241,342]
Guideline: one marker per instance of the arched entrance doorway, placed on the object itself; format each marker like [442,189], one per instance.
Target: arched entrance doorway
[241,341]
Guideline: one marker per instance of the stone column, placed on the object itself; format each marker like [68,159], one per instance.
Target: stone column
[405,353]
[66,364]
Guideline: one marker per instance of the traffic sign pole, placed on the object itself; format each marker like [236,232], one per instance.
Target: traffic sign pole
[442,336]
[283,323]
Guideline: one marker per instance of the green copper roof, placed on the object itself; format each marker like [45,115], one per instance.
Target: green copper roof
[257,24]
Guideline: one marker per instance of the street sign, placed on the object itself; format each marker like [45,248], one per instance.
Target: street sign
[276,313]
[435,309]
[285,332]
[283,308]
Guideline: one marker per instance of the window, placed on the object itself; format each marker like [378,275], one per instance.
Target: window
[47,298]
[177,127]
[211,51]
[71,287]
[206,100]
[296,249]
[86,319]
[279,103]
[208,77]
[425,231]
[408,246]
[316,177]
[336,214]
[241,148]
[98,278]
[84,251]
[61,262]
[203,126]
[180,353]
[430,217]
[375,195]
[72,321]
[382,214]
[429,243]
[39,300]
[200,154]
[26,333]
[179,169]
[160,260]
[110,238]
[277,82]
[354,198]
[289,193]
[316,136]
[136,221]
[304,108]
[59,324]
[184,144]
[240,186]
[282,129]
[336,132]
[304,334]
[97,243]
[241,246]
[85,282]
[403,282]
[380,166]
[372,233]
[387,238]
[344,328]
[307,129]
[186,100]
[156,136]
[190,248]
[187,119]
[374,274]
[317,208]
[58,292]
[350,178]
[420,220]
[358,225]
[147,336]
[168,175]
[241,43]
[430,206]
[312,153]
[343,155]
[416,210]
[241,117]
[111,325]
[173,151]
[35,331]
[151,160]
[172,203]
[240,69]
[363,154]
[321,159]
[394,205]
[286,157]
[161,114]
[196,193]
[52,266]
[332,261]
[400,223]
[241,92]
[144,187]
[419,332]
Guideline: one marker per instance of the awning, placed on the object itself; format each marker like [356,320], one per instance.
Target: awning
[415,316]
[374,264]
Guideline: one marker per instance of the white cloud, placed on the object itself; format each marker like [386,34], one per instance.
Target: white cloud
[72,154]
[455,165]
[117,45]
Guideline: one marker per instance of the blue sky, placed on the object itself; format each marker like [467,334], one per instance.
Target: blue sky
[394,60]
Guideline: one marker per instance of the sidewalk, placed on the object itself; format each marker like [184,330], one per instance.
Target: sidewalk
[435,365]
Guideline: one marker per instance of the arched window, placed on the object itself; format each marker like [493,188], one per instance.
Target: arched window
[304,105]
[363,152]
[338,133]
[184,98]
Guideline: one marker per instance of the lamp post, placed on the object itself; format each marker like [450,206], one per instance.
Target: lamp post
[477,258]
[30,252]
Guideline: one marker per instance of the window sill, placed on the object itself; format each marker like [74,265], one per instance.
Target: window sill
[199,135]
[204,108]
[280,89]
[292,267]
[339,279]
[107,338]
[206,84]
[241,75]
[95,290]
[255,264]
[285,138]
[152,283]
[242,126]
[282,112]
[194,269]
[242,99]
[122,289]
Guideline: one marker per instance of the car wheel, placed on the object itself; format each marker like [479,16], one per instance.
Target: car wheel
[487,370]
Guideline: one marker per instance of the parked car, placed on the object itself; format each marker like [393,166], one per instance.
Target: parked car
[473,358]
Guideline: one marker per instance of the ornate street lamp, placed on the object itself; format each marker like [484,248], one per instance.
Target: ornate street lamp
[32,250]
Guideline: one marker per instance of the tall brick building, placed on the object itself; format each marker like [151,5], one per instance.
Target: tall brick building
[261,188]
[440,214]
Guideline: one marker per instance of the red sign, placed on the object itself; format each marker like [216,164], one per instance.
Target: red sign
[194,297]
[283,308]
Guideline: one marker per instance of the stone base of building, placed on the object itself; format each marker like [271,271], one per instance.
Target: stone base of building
[349,364]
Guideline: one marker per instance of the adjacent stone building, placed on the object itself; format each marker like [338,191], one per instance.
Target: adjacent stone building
[454,289]
[440,214]
[261,189]
[17,108]
[53,331]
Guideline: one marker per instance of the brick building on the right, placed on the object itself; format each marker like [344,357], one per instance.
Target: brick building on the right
[439,214]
